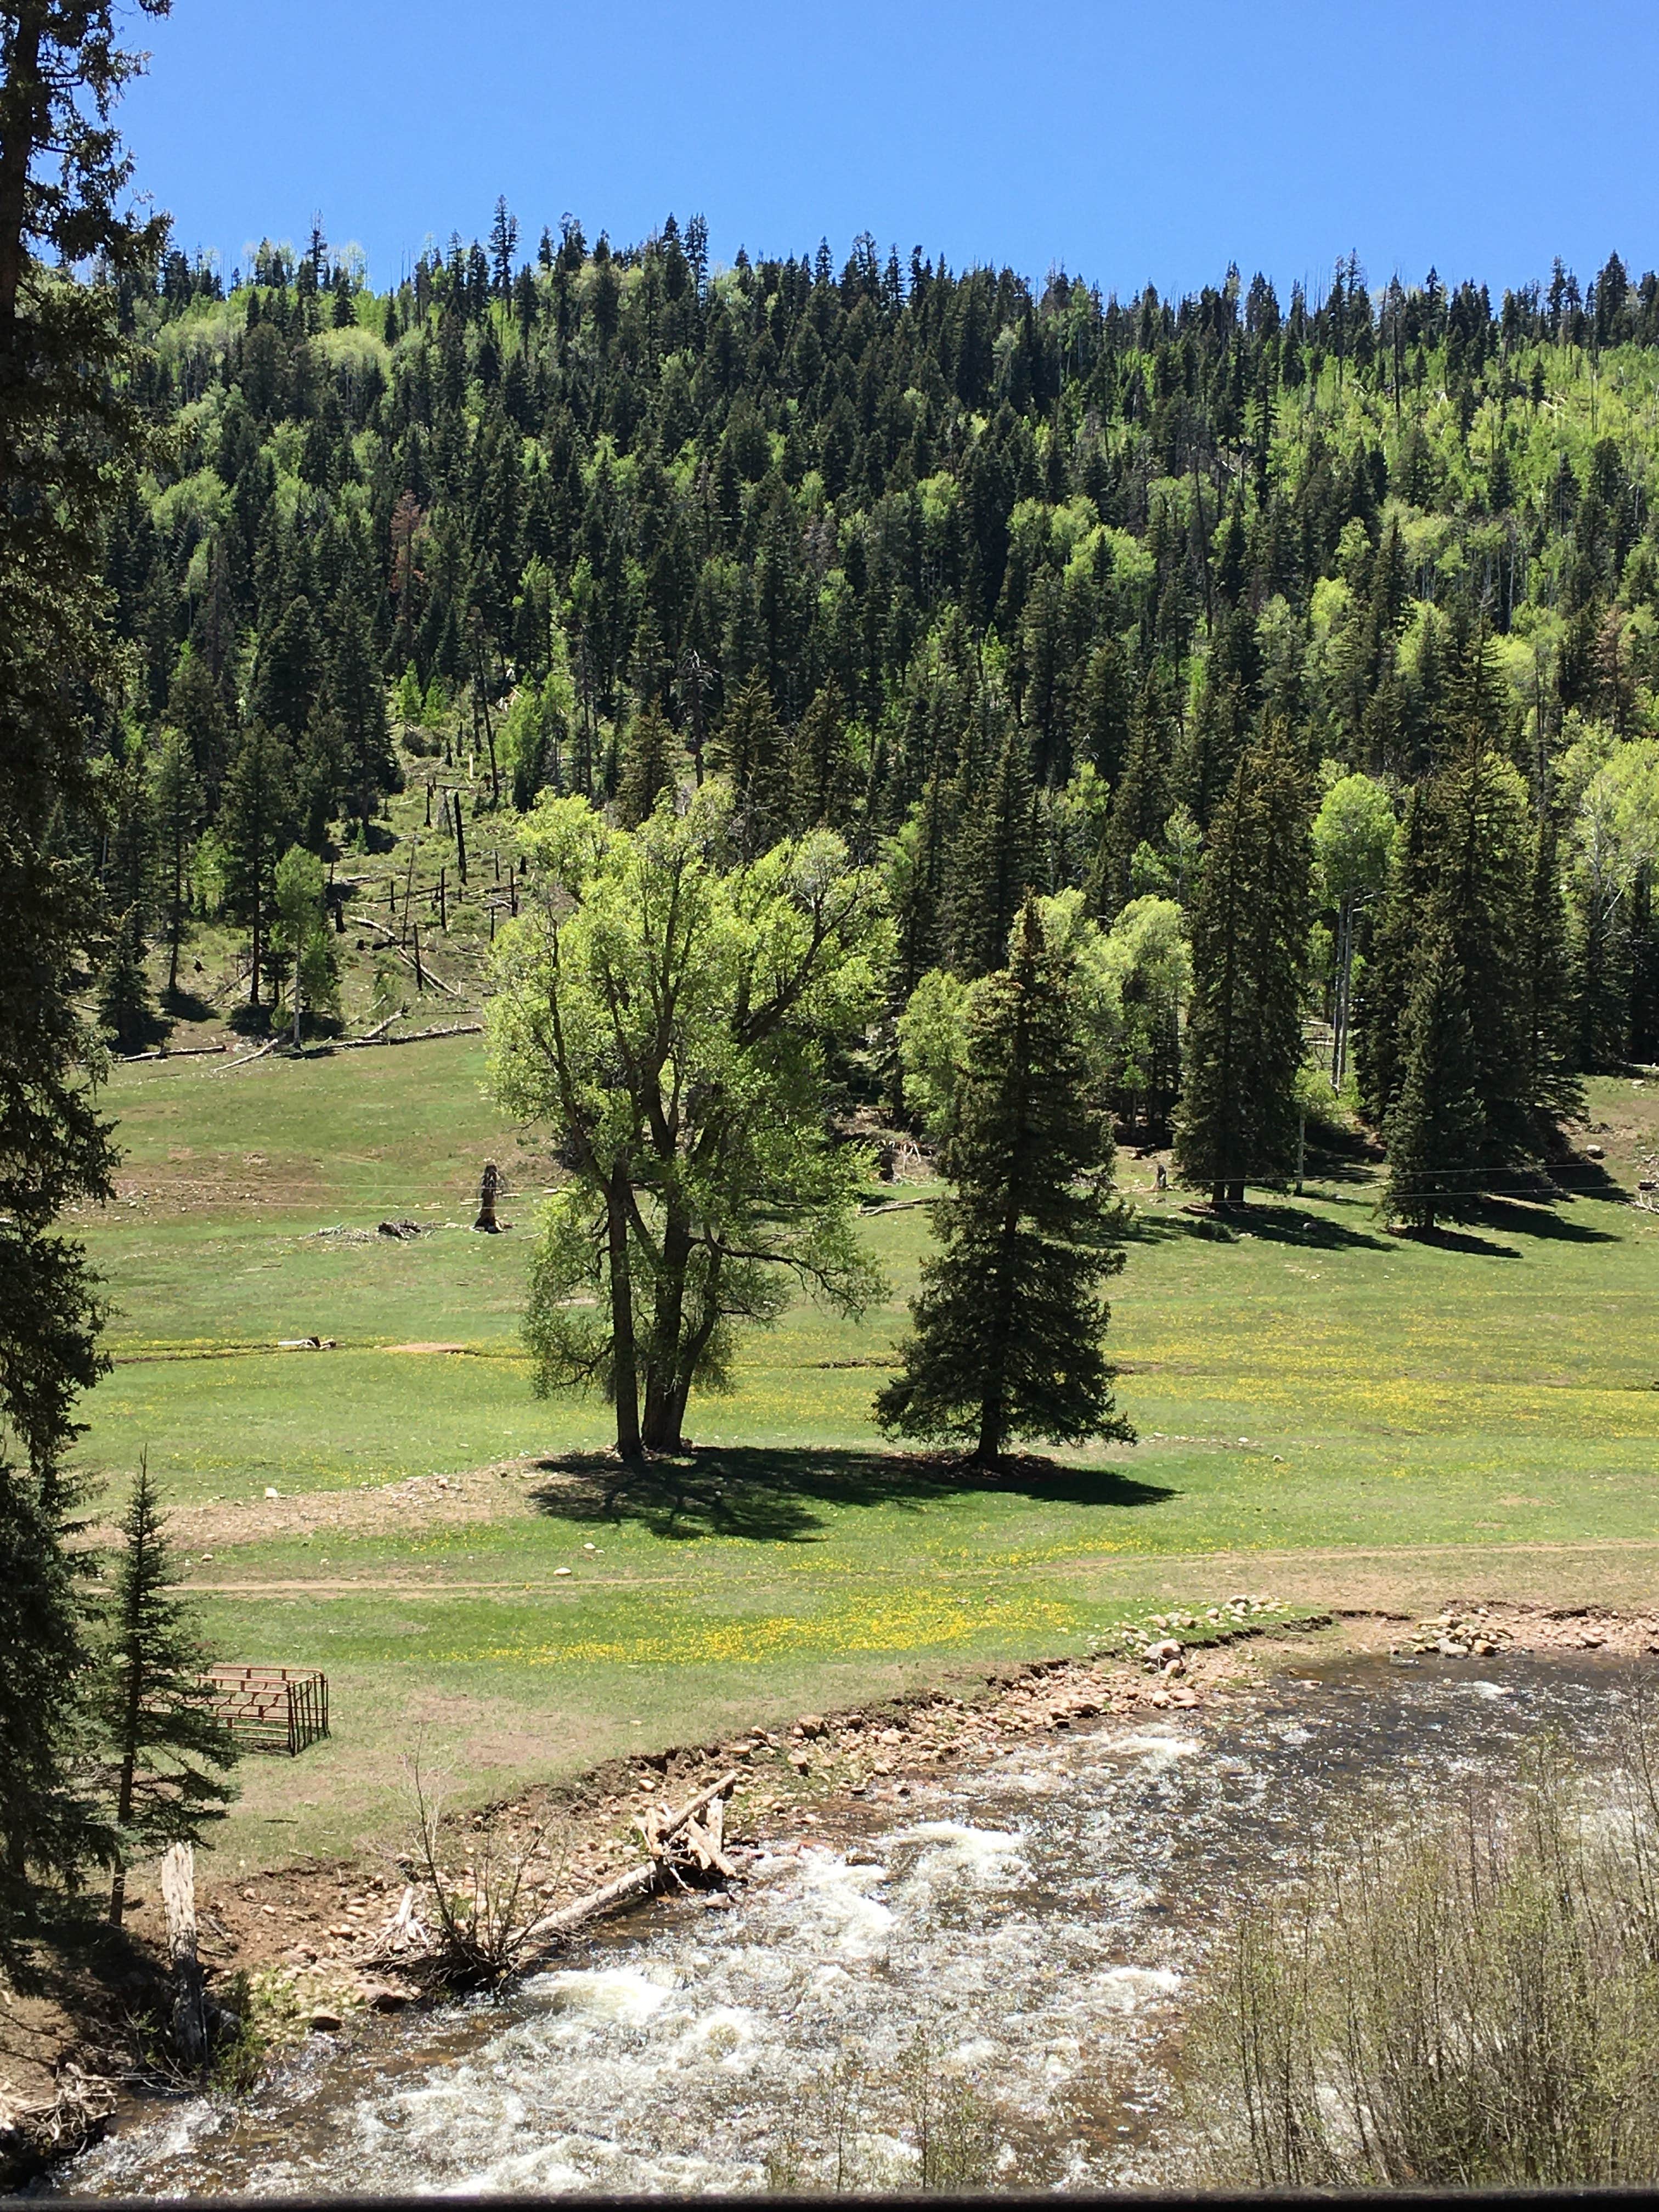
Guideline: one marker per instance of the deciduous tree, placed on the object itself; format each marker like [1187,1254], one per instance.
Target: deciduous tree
[666,1017]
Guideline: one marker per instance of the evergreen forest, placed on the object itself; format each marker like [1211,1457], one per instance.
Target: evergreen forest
[1314,638]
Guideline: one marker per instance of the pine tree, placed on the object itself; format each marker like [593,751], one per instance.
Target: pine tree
[1385,988]
[169,1751]
[1435,1125]
[178,801]
[290,671]
[358,697]
[1007,1330]
[1139,804]
[195,709]
[648,767]
[992,873]
[1238,1116]
[257,824]
[71,439]
[1552,1088]
[125,1005]
[748,749]
[824,766]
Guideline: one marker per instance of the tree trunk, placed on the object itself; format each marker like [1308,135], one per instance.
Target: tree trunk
[625,1379]
[26,112]
[189,1995]
[662,1375]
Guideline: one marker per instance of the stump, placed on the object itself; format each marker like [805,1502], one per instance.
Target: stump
[487,1190]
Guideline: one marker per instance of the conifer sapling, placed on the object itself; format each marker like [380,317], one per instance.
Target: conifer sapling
[168,1751]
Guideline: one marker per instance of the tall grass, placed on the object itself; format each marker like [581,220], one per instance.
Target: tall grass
[1468,1997]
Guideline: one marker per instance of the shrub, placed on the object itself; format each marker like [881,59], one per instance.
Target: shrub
[1467,1999]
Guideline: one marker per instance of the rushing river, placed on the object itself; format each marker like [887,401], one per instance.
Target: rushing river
[1032,1925]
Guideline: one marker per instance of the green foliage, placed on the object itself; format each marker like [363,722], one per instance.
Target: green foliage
[1436,1125]
[71,442]
[1243,1040]
[1007,1331]
[301,943]
[166,1750]
[666,1014]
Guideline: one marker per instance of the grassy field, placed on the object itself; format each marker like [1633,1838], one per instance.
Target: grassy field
[1324,1412]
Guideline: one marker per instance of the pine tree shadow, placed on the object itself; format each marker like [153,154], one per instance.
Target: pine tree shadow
[1539,1219]
[1579,1178]
[787,1494]
[1288,1225]
[185,1004]
[1443,1239]
[1230,1224]
[1147,1225]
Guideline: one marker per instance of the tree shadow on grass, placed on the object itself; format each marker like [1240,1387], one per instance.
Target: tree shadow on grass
[1278,1225]
[1540,1219]
[784,1495]
[1440,1239]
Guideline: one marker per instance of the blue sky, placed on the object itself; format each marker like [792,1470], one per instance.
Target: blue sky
[1123,141]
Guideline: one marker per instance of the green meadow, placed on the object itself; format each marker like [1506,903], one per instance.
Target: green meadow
[1325,1412]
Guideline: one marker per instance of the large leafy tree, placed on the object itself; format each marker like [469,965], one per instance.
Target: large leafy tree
[666,1014]
[1007,1332]
[68,443]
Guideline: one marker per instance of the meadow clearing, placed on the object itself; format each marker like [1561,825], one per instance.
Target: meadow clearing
[1325,1412]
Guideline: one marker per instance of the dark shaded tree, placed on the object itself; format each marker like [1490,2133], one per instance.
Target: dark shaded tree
[1007,1336]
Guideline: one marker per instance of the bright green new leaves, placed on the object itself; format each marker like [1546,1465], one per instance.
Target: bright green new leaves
[1128,983]
[666,1015]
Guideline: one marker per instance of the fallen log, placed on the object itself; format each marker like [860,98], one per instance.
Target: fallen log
[246,1059]
[415,1036]
[659,1829]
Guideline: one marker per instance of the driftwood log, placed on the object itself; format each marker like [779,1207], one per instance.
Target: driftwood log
[660,1828]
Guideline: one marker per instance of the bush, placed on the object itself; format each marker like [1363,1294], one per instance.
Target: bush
[1470,2000]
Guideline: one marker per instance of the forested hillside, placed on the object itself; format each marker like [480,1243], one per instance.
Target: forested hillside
[1310,644]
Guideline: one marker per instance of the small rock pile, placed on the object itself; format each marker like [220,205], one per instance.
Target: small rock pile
[1453,1634]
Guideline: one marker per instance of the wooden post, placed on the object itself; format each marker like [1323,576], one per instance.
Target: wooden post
[443,901]
[420,976]
[513,889]
[496,856]
[189,1997]
[428,803]
[492,921]
[460,841]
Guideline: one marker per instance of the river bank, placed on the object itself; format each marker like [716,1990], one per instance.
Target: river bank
[300,1950]
[1013,1936]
